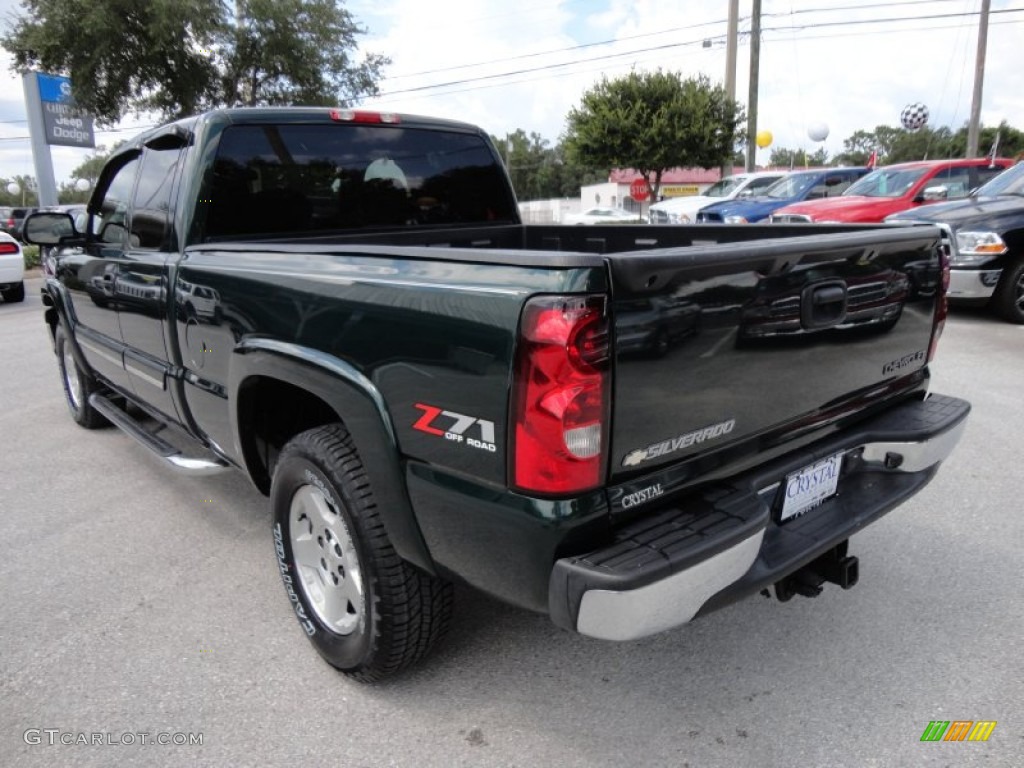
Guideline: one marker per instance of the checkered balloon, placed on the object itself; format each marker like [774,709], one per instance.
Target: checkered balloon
[914,116]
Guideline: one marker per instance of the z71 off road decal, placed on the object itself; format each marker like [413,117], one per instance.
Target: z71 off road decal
[457,427]
[678,443]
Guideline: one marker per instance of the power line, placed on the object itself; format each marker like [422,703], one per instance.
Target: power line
[672,30]
[666,46]
[644,59]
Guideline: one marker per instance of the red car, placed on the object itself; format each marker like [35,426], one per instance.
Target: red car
[896,188]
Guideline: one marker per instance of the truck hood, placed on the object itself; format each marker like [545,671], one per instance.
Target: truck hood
[857,208]
[750,208]
[685,203]
[960,212]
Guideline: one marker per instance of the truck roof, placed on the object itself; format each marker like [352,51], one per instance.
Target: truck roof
[184,127]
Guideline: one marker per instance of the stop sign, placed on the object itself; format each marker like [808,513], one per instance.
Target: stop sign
[638,190]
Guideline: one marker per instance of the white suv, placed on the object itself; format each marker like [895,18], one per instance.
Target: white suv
[12,269]
[683,210]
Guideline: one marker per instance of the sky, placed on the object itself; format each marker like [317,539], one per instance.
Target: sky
[524,64]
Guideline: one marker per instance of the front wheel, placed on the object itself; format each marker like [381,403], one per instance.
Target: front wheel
[77,385]
[366,611]
[1008,299]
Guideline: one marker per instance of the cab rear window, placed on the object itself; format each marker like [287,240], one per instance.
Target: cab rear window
[272,180]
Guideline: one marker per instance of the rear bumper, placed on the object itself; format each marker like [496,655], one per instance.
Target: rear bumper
[706,551]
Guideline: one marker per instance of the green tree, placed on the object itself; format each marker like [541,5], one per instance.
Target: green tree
[179,57]
[539,171]
[652,122]
[798,159]
[898,145]
[1011,141]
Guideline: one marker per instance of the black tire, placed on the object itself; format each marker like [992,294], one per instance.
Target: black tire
[661,344]
[77,385]
[14,294]
[366,611]
[1008,299]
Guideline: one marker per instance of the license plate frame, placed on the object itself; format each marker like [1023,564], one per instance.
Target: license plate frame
[810,486]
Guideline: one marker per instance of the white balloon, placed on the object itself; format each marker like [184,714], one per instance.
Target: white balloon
[13,189]
[83,185]
[818,131]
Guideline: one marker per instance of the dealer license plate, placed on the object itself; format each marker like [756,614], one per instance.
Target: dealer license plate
[810,486]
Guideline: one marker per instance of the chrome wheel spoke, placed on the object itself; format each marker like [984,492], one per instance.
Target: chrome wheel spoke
[326,560]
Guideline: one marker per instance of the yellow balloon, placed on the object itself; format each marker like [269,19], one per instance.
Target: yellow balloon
[764,138]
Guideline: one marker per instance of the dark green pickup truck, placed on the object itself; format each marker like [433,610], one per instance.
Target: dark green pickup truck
[624,427]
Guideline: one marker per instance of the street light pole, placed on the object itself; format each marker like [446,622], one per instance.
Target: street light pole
[731,43]
[979,81]
[755,73]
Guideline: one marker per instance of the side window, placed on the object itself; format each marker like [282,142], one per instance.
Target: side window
[757,185]
[151,205]
[817,192]
[955,181]
[986,174]
[110,223]
[838,184]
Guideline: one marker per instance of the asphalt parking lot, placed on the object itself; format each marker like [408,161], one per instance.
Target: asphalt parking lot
[138,604]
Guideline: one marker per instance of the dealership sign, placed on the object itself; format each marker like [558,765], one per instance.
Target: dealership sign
[64,123]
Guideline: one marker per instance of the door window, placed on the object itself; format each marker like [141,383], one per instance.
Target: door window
[151,204]
[110,224]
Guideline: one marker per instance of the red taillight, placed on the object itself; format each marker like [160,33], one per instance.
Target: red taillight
[363,116]
[941,301]
[8,247]
[560,395]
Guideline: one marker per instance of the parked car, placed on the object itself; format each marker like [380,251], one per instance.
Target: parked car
[895,188]
[791,188]
[12,269]
[603,216]
[12,220]
[987,262]
[683,210]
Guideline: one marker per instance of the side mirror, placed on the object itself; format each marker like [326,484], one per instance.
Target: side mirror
[48,228]
[935,193]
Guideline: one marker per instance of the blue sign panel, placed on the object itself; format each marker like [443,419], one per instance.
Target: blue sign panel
[54,88]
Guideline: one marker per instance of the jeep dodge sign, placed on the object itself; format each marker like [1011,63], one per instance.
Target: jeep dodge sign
[63,122]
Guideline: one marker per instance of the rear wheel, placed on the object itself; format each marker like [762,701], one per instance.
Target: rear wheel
[1008,299]
[77,385]
[14,294]
[366,611]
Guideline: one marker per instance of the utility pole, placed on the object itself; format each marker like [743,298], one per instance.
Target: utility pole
[755,71]
[731,43]
[979,81]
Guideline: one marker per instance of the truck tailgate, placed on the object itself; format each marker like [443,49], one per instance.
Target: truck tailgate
[729,349]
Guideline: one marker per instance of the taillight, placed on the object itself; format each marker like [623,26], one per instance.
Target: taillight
[560,395]
[363,116]
[942,300]
[8,247]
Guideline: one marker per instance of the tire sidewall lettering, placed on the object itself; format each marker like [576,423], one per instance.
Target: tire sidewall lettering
[295,471]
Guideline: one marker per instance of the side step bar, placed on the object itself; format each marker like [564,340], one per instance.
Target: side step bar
[172,456]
